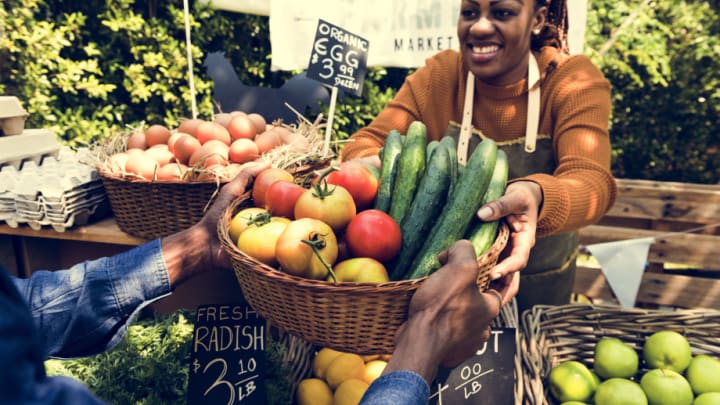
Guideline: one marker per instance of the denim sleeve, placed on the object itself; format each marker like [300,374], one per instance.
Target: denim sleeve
[397,388]
[87,309]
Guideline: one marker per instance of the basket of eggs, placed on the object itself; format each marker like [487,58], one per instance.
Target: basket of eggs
[320,261]
[160,180]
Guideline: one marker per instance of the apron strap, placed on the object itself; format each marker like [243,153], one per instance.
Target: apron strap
[533,113]
[466,126]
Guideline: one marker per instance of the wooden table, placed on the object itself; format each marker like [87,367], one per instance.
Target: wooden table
[48,249]
[29,250]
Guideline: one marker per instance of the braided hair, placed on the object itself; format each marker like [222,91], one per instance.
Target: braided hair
[554,32]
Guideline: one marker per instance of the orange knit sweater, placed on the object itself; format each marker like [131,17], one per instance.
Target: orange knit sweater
[574,112]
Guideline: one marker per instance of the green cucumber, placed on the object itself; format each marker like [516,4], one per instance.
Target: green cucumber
[459,211]
[411,167]
[429,150]
[388,168]
[449,142]
[483,234]
[425,208]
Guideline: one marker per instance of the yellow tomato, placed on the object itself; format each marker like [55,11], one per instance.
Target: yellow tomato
[258,239]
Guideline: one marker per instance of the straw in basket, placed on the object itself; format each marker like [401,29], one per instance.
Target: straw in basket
[553,334]
[354,317]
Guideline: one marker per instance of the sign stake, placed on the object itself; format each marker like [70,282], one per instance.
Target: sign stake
[331,115]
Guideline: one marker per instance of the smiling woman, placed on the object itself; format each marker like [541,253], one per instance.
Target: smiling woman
[512,80]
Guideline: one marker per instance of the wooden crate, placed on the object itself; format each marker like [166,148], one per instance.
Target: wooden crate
[663,210]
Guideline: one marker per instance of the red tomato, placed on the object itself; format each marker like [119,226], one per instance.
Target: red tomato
[329,203]
[356,178]
[281,196]
[373,233]
[295,254]
[263,180]
[258,239]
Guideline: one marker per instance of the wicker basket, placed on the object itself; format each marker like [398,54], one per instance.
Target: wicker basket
[569,332]
[155,209]
[354,317]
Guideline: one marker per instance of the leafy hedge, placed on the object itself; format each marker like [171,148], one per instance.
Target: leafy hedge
[87,69]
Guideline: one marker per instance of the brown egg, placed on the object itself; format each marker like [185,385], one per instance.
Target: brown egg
[268,140]
[160,153]
[171,141]
[116,162]
[171,172]
[184,147]
[189,126]
[259,121]
[222,119]
[137,141]
[141,165]
[243,150]
[208,131]
[242,127]
[212,153]
[157,134]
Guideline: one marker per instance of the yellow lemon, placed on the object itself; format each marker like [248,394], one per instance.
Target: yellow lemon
[322,360]
[350,392]
[373,369]
[344,367]
[314,391]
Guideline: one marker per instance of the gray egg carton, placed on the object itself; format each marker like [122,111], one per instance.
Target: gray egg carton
[56,190]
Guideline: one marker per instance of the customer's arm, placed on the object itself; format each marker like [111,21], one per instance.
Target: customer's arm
[87,309]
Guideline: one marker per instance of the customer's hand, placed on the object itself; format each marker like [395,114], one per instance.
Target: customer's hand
[219,259]
[448,318]
[520,207]
[198,248]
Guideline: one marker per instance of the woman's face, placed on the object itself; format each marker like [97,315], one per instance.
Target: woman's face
[495,37]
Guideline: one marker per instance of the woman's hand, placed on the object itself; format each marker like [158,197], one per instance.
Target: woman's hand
[520,207]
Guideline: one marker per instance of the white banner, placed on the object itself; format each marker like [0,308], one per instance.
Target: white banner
[623,264]
[401,33]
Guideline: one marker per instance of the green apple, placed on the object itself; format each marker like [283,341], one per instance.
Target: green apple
[571,380]
[703,373]
[573,403]
[614,391]
[615,358]
[666,387]
[667,349]
[708,398]
[360,270]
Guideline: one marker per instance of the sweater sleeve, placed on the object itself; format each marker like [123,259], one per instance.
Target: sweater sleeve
[582,187]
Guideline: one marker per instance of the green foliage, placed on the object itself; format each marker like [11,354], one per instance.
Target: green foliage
[149,366]
[660,57]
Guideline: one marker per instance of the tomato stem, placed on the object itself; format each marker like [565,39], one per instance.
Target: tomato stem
[321,189]
[316,244]
[259,219]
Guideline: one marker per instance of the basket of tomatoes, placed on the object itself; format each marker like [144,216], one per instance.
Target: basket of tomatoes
[160,180]
[323,260]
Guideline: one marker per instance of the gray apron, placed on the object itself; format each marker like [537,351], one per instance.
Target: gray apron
[550,272]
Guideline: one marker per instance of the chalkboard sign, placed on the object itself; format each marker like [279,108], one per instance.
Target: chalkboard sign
[338,58]
[488,377]
[227,361]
